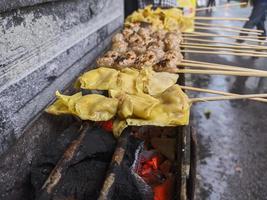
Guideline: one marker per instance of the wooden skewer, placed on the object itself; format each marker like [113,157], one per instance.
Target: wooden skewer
[226,30]
[222,6]
[224,53]
[223,49]
[228,68]
[229,27]
[202,34]
[225,46]
[219,98]
[223,66]
[217,41]
[225,36]
[219,72]
[221,18]
[218,92]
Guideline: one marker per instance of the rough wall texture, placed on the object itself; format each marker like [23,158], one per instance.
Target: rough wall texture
[40,46]
[7,5]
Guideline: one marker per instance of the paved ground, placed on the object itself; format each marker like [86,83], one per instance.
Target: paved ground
[232,136]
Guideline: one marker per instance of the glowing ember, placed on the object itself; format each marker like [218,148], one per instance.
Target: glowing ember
[106,125]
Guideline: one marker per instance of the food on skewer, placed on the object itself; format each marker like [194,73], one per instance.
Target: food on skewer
[135,97]
[108,59]
[135,74]
[128,59]
[146,47]
[168,19]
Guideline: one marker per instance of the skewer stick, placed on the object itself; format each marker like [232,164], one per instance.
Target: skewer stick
[223,66]
[224,53]
[202,34]
[225,30]
[229,27]
[221,18]
[219,98]
[219,72]
[225,46]
[62,165]
[218,92]
[228,68]
[223,49]
[222,6]
[217,41]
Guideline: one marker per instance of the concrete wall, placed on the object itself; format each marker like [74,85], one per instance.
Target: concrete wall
[44,45]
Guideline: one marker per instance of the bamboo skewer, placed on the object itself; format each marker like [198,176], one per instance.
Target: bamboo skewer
[224,53]
[229,27]
[218,92]
[219,72]
[214,67]
[223,49]
[221,18]
[202,34]
[225,46]
[226,30]
[223,66]
[222,6]
[218,98]
[216,41]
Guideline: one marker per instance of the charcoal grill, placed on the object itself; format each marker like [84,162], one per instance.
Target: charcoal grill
[38,151]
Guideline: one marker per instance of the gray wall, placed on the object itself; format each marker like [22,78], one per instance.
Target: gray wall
[44,45]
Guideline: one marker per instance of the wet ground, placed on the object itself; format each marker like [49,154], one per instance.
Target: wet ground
[232,135]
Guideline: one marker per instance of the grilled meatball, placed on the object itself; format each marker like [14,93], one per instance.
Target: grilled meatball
[136,39]
[138,49]
[170,60]
[118,38]
[149,58]
[120,47]
[127,59]
[159,35]
[172,41]
[127,32]
[173,56]
[156,44]
[144,33]
[108,59]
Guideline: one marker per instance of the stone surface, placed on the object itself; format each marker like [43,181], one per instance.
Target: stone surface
[42,49]
[6,5]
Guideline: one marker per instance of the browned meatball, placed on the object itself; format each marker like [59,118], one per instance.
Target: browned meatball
[120,47]
[156,44]
[173,56]
[118,38]
[138,49]
[136,39]
[144,33]
[149,58]
[159,34]
[158,51]
[170,60]
[108,59]
[172,41]
[127,32]
[127,60]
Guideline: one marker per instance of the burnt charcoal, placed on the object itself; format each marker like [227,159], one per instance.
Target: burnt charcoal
[127,185]
[85,175]
[83,180]
[51,153]
[132,145]
[97,144]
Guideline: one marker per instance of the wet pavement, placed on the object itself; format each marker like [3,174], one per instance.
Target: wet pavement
[232,135]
